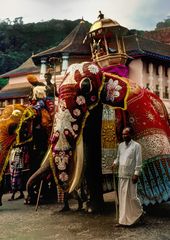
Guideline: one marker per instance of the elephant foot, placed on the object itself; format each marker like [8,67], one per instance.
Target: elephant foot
[80,206]
[26,201]
[29,201]
[20,196]
[93,209]
[11,199]
[65,209]
[89,210]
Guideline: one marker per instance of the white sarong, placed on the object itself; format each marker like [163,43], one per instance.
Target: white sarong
[130,208]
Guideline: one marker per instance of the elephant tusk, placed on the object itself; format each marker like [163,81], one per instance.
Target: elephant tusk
[47,156]
[79,160]
[45,166]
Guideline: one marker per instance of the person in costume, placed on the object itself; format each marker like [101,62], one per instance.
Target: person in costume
[16,166]
[49,85]
[38,100]
[129,162]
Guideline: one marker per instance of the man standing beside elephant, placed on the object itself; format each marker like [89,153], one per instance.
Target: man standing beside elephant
[129,162]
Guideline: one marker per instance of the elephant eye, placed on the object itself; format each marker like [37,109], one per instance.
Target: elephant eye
[85,85]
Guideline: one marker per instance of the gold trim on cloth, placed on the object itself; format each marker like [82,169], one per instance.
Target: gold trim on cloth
[108,138]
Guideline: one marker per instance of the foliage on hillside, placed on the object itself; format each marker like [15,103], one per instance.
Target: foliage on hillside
[18,41]
[136,32]
[163,24]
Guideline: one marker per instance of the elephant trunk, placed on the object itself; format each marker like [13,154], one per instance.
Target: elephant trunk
[40,173]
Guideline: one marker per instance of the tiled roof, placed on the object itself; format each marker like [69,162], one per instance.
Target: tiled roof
[72,44]
[138,46]
[15,93]
[27,67]
[135,46]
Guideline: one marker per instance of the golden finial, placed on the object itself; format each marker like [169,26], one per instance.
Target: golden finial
[82,20]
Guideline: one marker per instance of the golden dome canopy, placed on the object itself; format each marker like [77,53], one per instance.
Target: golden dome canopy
[107,23]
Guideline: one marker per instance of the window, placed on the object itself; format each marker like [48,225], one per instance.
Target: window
[157,90]
[147,67]
[147,86]
[17,100]
[10,101]
[166,94]
[25,101]
[1,104]
[166,72]
[157,72]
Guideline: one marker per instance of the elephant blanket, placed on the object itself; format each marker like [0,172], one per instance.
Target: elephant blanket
[148,117]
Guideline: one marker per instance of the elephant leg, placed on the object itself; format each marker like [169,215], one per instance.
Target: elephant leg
[80,202]
[1,190]
[73,195]
[31,186]
[66,202]
[77,195]
[1,194]
[93,171]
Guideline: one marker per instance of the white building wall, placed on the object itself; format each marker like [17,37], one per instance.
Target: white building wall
[136,71]
[21,79]
[152,76]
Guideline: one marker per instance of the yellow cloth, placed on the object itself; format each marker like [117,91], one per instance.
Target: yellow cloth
[108,138]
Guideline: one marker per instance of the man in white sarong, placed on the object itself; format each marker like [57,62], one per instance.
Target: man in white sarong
[129,162]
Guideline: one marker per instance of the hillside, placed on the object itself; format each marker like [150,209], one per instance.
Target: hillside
[161,35]
[18,41]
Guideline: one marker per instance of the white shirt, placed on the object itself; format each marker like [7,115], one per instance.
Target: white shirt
[129,159]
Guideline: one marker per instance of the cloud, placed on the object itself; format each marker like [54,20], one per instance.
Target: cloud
[149,13]
[139,14]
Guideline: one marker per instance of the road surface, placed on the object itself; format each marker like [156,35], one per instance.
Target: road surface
[22,222]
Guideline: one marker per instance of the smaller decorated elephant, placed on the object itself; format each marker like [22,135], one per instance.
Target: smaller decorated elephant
[26,127]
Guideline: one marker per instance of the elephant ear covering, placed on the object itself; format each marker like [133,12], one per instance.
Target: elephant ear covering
[78,93]
[9,121]
[149,119]
[24,130]
[115,91]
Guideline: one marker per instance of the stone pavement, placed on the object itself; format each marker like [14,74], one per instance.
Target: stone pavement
[22,222]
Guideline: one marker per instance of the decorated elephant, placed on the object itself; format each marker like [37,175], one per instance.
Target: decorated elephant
[75,149]
[24,126]
[9,122]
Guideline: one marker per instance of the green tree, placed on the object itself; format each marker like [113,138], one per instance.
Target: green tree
[163,24]
[18,40]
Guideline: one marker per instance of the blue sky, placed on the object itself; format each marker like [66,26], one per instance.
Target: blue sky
[133,14]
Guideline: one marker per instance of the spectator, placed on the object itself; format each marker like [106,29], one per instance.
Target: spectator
[16,166]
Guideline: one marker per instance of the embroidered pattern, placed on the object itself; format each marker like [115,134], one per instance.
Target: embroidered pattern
[113,89]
